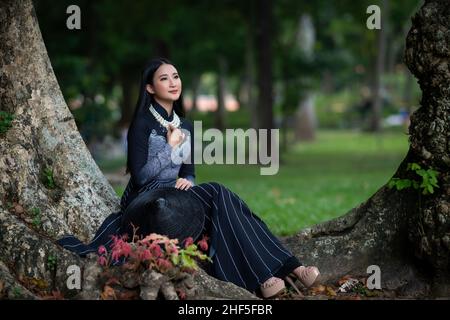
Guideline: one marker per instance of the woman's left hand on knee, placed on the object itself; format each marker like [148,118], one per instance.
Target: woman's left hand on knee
[183,184]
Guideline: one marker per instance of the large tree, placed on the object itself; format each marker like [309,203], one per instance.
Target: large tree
[404,232]
[50,184]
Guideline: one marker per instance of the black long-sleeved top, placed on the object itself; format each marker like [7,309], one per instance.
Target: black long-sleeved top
[151,158]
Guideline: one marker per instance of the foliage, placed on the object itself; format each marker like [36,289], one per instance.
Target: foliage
[111,51]
[5,121]
[96,118]
[36,214]
[126,262]
[17,292]
[47,178]
[51,262]
[155,252]
[428,179]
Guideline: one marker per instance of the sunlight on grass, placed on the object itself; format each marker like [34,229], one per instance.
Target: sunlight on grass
[317,181]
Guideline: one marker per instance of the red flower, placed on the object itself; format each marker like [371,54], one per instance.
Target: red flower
[126,249]
[155,249]
[116,254]
[101,250]
[188,241]
[203,244]
[146,255]
[172,249]
[164,264]
[102,261]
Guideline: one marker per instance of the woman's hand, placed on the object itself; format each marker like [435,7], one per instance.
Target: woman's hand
[183,184]
[174,136]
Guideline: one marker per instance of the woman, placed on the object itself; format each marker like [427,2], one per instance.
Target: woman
[242,248]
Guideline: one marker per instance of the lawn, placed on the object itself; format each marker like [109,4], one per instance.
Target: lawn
[316,181]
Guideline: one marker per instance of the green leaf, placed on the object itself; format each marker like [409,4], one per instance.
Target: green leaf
[392,183]
[414,166]
[191,248]
[404,183]
[187,261]
[422,173]
[175,259]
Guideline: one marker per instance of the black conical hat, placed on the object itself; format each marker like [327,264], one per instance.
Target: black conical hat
[166,211]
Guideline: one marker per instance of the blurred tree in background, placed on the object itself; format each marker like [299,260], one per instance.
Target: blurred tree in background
[312,64]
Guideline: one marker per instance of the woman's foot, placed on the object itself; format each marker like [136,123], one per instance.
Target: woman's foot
[306,275]
[272,287]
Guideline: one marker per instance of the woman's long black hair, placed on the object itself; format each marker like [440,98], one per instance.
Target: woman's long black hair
[145,98]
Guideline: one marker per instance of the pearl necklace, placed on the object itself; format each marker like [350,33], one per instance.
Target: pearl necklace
[175,122]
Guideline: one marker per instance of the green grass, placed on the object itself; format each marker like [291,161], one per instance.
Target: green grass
[316,181]
[119,190]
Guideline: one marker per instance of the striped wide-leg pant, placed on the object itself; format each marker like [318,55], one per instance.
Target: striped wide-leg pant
[242,248]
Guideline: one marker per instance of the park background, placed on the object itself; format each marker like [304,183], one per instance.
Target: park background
[339,92]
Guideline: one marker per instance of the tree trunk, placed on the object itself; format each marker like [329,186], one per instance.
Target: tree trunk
[219,115]
[44,135]
[265,73]
[130,90]
[305,119]
[305,115]
[33,210]
[73,199]
[195,91]
[408,91]
[406,234]
[250,76]
[377,94]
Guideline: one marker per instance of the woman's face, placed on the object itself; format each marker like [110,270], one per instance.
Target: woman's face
[166,83]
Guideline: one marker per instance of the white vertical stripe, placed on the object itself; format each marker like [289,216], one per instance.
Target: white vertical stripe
[281,249]
[220,266]
[244,231]
[229,253]
[237,239]
[200,197]
[212,220]
[256,234]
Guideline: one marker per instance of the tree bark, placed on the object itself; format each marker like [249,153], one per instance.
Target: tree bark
[74,199]
[406,234]
[43,136]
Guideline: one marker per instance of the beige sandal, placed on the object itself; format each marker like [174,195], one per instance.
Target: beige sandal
[272,287]
[308,276]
